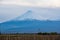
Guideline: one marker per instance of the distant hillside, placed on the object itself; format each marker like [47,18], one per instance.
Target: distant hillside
[30,26]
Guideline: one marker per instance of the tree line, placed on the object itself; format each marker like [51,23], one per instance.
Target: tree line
[39,33]
[46,33]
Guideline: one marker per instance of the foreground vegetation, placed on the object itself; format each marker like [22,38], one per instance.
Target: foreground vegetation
[29,37]
[36,36]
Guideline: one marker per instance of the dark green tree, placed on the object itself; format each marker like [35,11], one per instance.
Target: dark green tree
[40,33]
[53,33]
[0,33]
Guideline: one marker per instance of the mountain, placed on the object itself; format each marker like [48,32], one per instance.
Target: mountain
[30,26]
[28,23]
[8,12]
[29,15]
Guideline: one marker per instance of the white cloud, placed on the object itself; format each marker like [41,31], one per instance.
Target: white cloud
[9,12]
[41,3]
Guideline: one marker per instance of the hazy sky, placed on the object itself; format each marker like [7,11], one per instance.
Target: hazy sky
[41,3]
[10,9]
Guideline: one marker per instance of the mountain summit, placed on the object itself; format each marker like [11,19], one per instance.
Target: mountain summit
[29,15]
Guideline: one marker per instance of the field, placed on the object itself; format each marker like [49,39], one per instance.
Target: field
[29,37]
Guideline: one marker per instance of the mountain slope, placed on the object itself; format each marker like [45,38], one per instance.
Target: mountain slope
[29,15]
[29,26]
[29,22]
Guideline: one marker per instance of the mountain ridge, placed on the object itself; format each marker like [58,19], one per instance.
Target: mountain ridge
[30,15]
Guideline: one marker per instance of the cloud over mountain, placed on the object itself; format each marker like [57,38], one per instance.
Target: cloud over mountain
[29,15]
[43,14]
[39,3]
[10,12]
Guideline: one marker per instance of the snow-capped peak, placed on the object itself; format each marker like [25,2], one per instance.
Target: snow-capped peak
[30,15]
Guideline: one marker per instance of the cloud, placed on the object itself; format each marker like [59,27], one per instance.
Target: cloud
[39,3]
[9,12]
